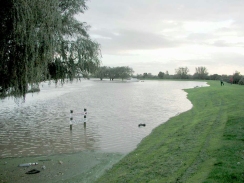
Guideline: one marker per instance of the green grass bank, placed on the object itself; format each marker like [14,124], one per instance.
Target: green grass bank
[204,144]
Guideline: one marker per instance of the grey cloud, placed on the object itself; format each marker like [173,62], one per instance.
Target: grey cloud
[229,58]
[154,66]
[200,10]
[216,59]
[132,40]
[144,24]
[212,40]
[222,43]
[154,15]
[199,37]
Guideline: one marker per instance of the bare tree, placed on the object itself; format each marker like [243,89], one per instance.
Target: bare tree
[200,73]
[182,73]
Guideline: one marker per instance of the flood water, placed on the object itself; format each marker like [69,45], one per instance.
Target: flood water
[41,125]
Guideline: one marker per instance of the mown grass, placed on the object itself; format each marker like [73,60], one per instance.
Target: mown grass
[204,144]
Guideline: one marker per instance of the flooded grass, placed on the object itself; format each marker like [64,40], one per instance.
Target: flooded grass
[204,144]
[84,166]
[41,125]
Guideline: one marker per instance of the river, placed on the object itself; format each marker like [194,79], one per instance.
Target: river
[41,124]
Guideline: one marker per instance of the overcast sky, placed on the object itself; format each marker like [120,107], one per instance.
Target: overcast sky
[161,35]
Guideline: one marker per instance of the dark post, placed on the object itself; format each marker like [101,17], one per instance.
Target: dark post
[85,115]
[71,118]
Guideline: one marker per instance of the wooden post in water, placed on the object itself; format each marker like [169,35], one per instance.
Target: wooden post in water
[71,119]
[85,112]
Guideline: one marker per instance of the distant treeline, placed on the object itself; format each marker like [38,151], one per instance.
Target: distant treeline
[201,73]
[113,72]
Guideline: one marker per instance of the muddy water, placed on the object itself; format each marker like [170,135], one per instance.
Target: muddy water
[40,125]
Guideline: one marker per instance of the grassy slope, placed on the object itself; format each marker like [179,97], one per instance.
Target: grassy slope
[204,144]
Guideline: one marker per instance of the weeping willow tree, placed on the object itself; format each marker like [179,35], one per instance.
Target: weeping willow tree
[40,40]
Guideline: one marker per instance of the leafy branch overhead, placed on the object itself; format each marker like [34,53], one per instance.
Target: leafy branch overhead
[40,40]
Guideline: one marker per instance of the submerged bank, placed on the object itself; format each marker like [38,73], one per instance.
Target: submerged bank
[204,144]
[41,125]
[85,166]
[46,112]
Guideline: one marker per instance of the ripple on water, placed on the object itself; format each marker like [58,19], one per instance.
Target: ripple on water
[40,126]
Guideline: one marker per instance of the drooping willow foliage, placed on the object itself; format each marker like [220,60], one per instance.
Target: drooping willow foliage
[40,40]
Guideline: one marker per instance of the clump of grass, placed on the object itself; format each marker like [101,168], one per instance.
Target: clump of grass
[204,144]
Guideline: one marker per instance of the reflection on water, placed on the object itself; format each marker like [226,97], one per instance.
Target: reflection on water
[40,126]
